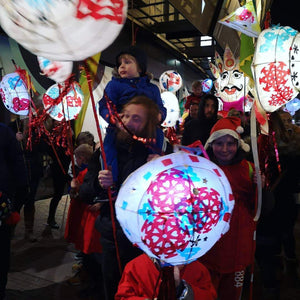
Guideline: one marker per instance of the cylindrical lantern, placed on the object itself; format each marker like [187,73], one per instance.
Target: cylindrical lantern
[14,94]
[170,81]
[176,207]
[62,102]
[272,67]
[63,30]
[58,71]
[171,103]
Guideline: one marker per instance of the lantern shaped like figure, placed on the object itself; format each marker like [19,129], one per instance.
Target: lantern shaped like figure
[276,67]
[63,102]
[14,94]
[58,71]
[175,207]
[171,103]
[170,81]
[63,30]
[231,85]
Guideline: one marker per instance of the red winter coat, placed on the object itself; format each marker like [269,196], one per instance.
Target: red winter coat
[80,226]
[140,277]
[192,99]
[235,250]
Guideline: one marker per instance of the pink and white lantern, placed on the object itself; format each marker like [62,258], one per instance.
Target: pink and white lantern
[14,94]
[276,67]
[176,207]
[60,106]
[63,30]
[170,81]
[58,71]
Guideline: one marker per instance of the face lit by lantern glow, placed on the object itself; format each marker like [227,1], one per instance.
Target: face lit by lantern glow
[224,149]
[134,117]
[232,85]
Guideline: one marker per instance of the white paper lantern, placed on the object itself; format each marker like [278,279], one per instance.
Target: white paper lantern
[60,106]
[14,94]
[170,81]
[171,103]
[58,71]
[275,74]
[175,207]
[63,30]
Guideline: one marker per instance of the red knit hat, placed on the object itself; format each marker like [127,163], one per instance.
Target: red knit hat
[231,126]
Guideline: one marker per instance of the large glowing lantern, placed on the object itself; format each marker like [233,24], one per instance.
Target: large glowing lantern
[63,102]
[175,207]
[63,30]
[170,81]
[14,94]
[275,67]
[171,103]
[58,71]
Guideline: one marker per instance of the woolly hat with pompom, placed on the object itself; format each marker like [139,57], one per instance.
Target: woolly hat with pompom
[231,126]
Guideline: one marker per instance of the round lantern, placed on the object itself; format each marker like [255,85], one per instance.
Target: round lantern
[14,94]
[170,81]
[207,84]
[58,71]
[171,103]
[63,102]
[176,207]
[63,30]
[274,70]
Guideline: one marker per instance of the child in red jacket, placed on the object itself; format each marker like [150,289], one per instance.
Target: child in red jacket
[141,280]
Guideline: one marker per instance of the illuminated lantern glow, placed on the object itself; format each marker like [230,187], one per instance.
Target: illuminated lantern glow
[271,67]
[170,81]
[14,94]
[63,30]
[60,106]
[207,85]
[171,103]
[231,85]
[58,71]
[176,207]
[243,19]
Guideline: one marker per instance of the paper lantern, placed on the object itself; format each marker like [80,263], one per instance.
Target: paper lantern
[207,84]
[63,102]
[14,94]
[63,30]
[231,85]
[292,106]
[58,71]
[171,103]
[243,19]
[175,207]
[275,73]
[170,81]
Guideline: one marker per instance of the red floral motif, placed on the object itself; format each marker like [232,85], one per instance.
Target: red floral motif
[20,104]
[97,10]
[164,237]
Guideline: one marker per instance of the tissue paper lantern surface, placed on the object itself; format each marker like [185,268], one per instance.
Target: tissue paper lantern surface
[170,81]
[171,103]
[175,207]
[63,30]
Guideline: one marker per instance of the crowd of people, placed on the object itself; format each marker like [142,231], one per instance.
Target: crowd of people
[117,269]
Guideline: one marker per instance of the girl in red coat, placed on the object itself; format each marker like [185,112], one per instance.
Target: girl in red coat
[229,257]
[141,276]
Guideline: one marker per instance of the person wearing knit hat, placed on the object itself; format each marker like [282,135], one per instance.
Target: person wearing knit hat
[234,252]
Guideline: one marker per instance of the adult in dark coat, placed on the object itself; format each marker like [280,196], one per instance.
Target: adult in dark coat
[199,129]
[140,117]
[12,179]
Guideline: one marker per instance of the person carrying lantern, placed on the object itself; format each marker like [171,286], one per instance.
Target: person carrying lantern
[228,258]
[130,79]
[140,117]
